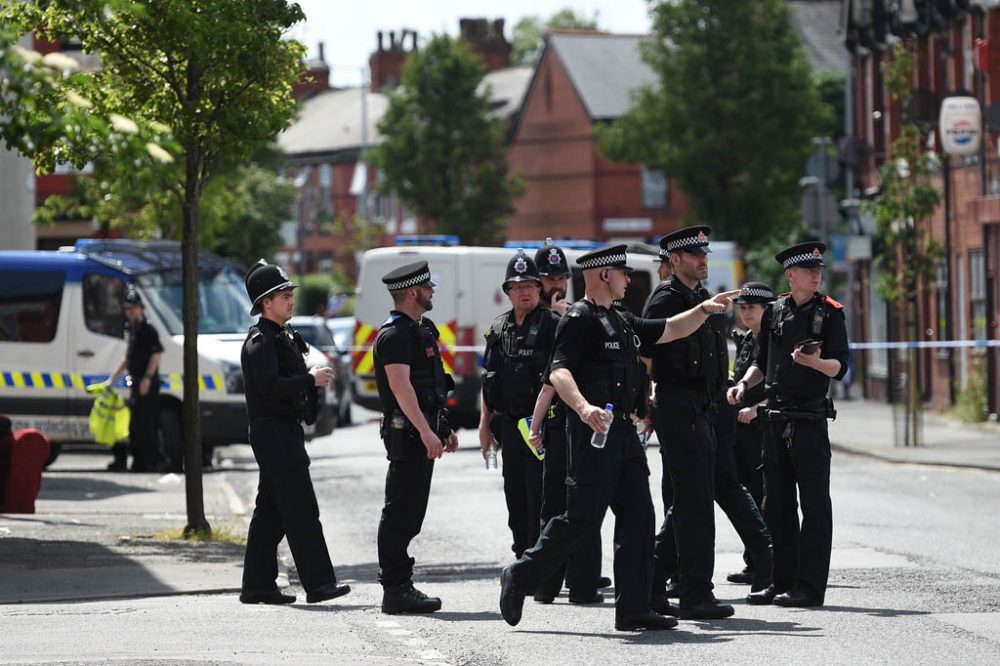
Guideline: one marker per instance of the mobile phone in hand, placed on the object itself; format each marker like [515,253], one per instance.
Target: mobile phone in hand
[809,346]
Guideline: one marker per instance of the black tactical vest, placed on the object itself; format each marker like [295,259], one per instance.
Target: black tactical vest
[512,372]
[613,374]
[427,376]
[701,359]
[779,348]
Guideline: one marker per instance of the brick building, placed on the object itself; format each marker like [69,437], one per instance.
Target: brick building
[955,54]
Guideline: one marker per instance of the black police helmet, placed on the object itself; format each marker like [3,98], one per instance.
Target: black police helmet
[551,260]
[521,268]
[264,279]
[132,298]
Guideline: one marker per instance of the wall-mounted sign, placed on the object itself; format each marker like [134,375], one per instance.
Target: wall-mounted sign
[961,125]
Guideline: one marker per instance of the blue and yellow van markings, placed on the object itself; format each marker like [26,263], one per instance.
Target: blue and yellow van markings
[76,380]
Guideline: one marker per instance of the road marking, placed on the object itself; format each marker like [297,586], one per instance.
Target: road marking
[986,625]
[236,505]
[406,638]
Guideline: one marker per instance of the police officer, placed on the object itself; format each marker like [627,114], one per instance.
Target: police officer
[142,360]
[518,344]
[750,304]
[688,375]
[582,574]
[280,395]
[413,388]
[801,346]
[595,363]
[554,272]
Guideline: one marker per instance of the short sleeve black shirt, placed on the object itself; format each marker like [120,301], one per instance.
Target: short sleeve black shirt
[777,341]
[143,342]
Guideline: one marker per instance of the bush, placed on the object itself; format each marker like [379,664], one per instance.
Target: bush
[970,403]
[314,294]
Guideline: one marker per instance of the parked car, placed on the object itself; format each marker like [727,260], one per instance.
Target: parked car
[314,330]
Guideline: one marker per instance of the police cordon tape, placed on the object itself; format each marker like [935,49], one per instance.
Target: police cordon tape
[927,344]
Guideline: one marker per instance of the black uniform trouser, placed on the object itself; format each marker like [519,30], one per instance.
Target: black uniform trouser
[522,486]
[407,488]
[617,477]
[286,507]
[143,432]
[732,496]
[749,469]
[665,545]
[688,450]
[583,569]
[801,554]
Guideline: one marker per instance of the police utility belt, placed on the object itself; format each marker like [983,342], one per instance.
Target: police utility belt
[789,410]
[401,437]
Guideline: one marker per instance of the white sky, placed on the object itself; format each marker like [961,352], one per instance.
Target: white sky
[348,28]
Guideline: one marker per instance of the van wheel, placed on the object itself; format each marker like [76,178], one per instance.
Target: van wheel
[54,452]
[172,438]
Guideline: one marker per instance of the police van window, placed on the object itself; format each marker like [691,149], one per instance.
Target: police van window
[635,296]
[637,292]
[29,305]
[102,304]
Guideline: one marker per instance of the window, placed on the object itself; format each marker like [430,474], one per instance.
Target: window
[29,305]
[102,305]
[655,188]
[977,293]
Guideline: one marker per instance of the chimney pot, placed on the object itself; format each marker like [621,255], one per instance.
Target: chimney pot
[379,34]
[322,57]
[392,40]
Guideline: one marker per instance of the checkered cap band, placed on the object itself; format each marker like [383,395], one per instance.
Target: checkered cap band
[664,253]
[681,243]
[417,279]
[601,262]
[800,258]
[753,292]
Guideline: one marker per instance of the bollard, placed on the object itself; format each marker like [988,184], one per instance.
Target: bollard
[28,454]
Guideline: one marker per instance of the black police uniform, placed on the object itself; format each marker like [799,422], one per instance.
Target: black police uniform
[599,346]
[405,341]
[686,373]
[514,362]
[144,425]
[748,448]
[796,442]
[280,395]
[582,574]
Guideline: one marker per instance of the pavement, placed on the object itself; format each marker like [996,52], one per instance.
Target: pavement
[97,535]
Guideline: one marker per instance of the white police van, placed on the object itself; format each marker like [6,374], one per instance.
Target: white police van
[61,328]
[466,301]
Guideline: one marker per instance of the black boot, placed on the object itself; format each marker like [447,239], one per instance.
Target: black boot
[407,599]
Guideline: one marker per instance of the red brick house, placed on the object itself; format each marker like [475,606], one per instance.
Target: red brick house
[582,79]
[962,57]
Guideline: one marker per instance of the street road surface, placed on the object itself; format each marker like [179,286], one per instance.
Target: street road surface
[915,580]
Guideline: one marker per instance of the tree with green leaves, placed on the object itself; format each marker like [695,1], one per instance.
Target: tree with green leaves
[209,78]
[732,116]
[442,152]
[529,33]
[906,201]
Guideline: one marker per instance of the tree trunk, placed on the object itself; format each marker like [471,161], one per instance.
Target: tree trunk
[196,522]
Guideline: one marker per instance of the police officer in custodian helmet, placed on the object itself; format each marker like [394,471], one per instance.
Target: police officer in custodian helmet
[595,364]
[280,395]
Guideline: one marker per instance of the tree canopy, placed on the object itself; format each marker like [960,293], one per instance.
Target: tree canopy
[732,116]
[442,153]
[209,79]
[526,46]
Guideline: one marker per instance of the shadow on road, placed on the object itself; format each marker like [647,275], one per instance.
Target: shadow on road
[34,570]
[875,612]
[61,487]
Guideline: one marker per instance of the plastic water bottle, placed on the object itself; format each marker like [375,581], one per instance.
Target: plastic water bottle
[599,438]
[491,458]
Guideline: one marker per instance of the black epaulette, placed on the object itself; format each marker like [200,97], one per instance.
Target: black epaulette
[254,332]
